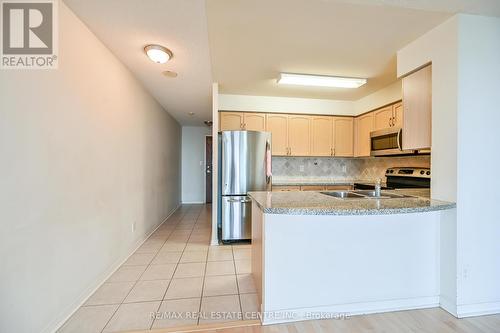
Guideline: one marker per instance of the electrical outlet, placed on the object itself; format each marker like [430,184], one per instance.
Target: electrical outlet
[344,168]
[133,226]
[301,168]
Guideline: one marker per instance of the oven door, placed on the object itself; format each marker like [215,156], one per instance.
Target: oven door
[387,142]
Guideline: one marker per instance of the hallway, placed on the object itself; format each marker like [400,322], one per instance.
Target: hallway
[171,278]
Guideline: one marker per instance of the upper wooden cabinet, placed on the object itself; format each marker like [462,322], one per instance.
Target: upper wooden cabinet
[231,121]
[322,136]
[237,121]
[277,124]
[417,105]
[254,121]
[299,135]
[389,116]
[343,134]
[364,124]
[383,118]
[397,111]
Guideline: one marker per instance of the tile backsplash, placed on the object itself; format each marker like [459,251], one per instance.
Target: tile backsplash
[335,169]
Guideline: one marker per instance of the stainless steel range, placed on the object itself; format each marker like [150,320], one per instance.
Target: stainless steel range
[403,177]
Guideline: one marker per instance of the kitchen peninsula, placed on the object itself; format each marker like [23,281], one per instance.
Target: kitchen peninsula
[314,255]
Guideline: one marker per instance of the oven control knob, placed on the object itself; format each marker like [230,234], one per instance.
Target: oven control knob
[422,172]
[428,173]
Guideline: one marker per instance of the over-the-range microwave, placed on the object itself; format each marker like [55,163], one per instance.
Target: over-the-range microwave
[389,142]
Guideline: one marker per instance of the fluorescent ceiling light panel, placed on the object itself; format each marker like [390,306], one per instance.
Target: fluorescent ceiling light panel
[320,80]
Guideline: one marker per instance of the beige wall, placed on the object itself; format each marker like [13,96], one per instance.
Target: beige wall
[86,153]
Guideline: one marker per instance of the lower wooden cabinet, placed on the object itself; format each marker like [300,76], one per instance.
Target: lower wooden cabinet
[285,188]
[288,188]
[312,188]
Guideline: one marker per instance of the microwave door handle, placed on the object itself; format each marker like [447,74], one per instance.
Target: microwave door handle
[400,144]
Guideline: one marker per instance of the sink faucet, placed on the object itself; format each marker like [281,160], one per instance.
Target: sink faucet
[378,186]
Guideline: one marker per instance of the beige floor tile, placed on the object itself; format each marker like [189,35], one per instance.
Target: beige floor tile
[249,306]
[185,227]
[188,270]
[178,238]
[220,308]
[246,284]
[177,312]
[193,256]
[242,246]
[242,254]
[150,247]
[220,285]
[139,259]
[127,273]
[203,239]
[243,266]
[132,316]
[173,246]
[89,319]
[219,253]
[145,291]
[166,257]
[220,268]
[184,288]
[159,272]
[110,293]
[197,246]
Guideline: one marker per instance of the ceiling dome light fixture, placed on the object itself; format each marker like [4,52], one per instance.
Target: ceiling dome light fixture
[158,53]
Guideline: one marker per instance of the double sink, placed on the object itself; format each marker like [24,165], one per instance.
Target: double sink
[365,194]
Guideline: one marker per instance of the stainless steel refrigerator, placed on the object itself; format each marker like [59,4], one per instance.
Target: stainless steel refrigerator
[244,166]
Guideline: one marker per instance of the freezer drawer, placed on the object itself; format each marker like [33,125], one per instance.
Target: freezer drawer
[236,218]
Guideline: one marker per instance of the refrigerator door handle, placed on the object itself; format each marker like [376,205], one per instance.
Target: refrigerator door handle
[269,172]
[240,200]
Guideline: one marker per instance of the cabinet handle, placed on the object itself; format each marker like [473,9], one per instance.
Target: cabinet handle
[333,151]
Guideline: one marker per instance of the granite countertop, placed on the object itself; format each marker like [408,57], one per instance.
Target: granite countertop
[315,203]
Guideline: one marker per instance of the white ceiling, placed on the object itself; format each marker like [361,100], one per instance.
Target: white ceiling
[252,41]
[126,26]
[246,43]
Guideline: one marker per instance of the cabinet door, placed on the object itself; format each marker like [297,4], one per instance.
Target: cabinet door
[278,126]
[383,118]
[321,136]
[286,188]
[255,121]
[343,137]
[231,121]
[364,127]
[417,105]
[312,188]
[398,114]
[338,187]
[299,135]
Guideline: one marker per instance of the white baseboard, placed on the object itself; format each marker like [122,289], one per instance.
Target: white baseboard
[57,323]
[193,202]
[351,309]
[478,309]
[448,305]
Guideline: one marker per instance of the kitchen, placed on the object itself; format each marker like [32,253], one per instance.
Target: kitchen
[353,220]
[333,153]
[253,165]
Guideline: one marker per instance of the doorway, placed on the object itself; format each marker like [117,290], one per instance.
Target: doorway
[208,169]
